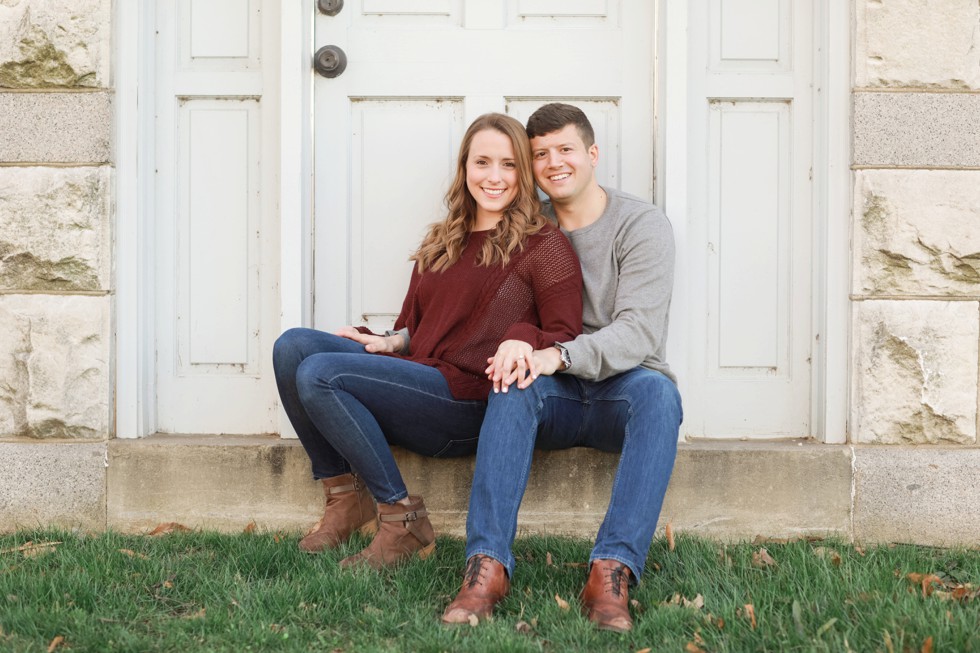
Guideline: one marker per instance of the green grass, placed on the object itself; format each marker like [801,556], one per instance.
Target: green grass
[256,592]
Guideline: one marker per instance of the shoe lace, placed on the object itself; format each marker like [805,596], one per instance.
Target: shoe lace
[617,579]
[474,571]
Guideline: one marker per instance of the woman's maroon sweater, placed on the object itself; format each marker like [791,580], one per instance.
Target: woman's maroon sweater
[457,317]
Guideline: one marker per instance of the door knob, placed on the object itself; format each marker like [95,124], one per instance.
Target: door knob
[330,61]
[330,7]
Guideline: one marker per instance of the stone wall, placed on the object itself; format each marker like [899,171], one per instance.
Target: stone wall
[55,228]
[916,227]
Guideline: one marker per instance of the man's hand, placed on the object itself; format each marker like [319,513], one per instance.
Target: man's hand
[373,344]
[513,361]
[541,361]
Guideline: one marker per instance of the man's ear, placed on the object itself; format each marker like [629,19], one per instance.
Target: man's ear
[594,154]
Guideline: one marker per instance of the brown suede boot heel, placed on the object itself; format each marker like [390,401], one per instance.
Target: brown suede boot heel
[349,507]
[404,532]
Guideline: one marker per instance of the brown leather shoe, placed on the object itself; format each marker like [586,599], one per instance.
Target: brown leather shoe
[605,598]
[350,507]
[485,583]
[404,532]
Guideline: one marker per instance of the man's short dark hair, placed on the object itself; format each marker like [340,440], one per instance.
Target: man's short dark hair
[555,116]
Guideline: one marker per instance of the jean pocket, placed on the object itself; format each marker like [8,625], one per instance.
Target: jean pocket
[456,448]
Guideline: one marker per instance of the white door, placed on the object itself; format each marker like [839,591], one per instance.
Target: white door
[418,72]
[750,113]
[216,236]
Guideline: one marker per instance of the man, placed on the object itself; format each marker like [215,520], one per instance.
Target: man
[609,389]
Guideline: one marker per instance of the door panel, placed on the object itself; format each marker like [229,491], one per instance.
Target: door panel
[750,219]
[388,129]
[216,237]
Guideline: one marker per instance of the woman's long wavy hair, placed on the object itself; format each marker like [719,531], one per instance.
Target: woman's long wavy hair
[445,242]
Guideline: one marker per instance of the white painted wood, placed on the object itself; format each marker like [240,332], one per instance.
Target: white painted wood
[750,29]
[750,223]
[216,248]
[402,87]
[218,28]
[564,8]
[407,7]
[135,383]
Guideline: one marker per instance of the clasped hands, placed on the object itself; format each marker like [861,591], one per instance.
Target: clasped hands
[518,362]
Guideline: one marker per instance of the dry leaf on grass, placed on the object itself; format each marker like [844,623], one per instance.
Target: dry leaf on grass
[133,554]
[761,558]
[645,650]
[169,527]
[927,645]
[669,534]
[888,642]
[828,554]
[747,611]
[250,528]
[562,603]
[946,590]
[522,627]
[677,599]
[547,559]
[691,647]
[30,548]
[474,620]
[55,643]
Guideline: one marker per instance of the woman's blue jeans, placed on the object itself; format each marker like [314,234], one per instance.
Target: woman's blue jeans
[637,413]
[347,406]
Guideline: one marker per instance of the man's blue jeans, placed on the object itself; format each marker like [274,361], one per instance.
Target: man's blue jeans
[347,406]
[637,413]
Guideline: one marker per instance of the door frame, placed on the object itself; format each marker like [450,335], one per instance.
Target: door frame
[133,58]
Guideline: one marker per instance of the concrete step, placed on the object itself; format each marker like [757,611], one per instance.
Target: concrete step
[726,490]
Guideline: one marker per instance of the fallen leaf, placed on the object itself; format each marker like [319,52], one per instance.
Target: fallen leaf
[798,617]
[250,528]
[750,613]
[276,538]
[133,554]
[522,627]
[859,550]
[562,603]
[29,548]
[547,559]
[829,554]
[761,558]
[669,532]
[927,645]
[926,581]
[168,585]
[55,643]
[691,647]
[888,642]
[827,626]
[645,650]
[717,622]
[474,620]
[169,527]
[635,604]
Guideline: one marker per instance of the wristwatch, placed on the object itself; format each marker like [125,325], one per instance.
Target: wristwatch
[566,359]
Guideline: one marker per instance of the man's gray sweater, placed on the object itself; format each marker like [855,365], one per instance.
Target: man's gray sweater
[627,260]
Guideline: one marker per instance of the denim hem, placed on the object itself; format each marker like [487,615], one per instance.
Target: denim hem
[636,569]
[506,561]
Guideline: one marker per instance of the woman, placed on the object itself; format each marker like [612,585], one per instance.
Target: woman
[492,282]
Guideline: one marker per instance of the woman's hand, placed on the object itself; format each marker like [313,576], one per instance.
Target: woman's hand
[373,344]
[512,363]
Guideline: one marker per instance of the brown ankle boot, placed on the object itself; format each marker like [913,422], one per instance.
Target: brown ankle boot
[404,532]
[605,599]
[350,507]
[485,583]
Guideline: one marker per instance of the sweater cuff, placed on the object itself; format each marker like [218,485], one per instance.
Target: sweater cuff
[527,333]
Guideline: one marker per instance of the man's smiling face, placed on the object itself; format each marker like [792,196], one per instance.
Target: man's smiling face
[563,165]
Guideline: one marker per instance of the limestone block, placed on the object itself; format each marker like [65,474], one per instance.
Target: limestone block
[54,366]
[919,495]
[67,127]
[46,43]
[917,130]
[917,44]
[52,485]
[915,372]
[917,232]
[54,228]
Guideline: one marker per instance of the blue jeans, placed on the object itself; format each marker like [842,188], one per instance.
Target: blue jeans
[637,413]
[348,405]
